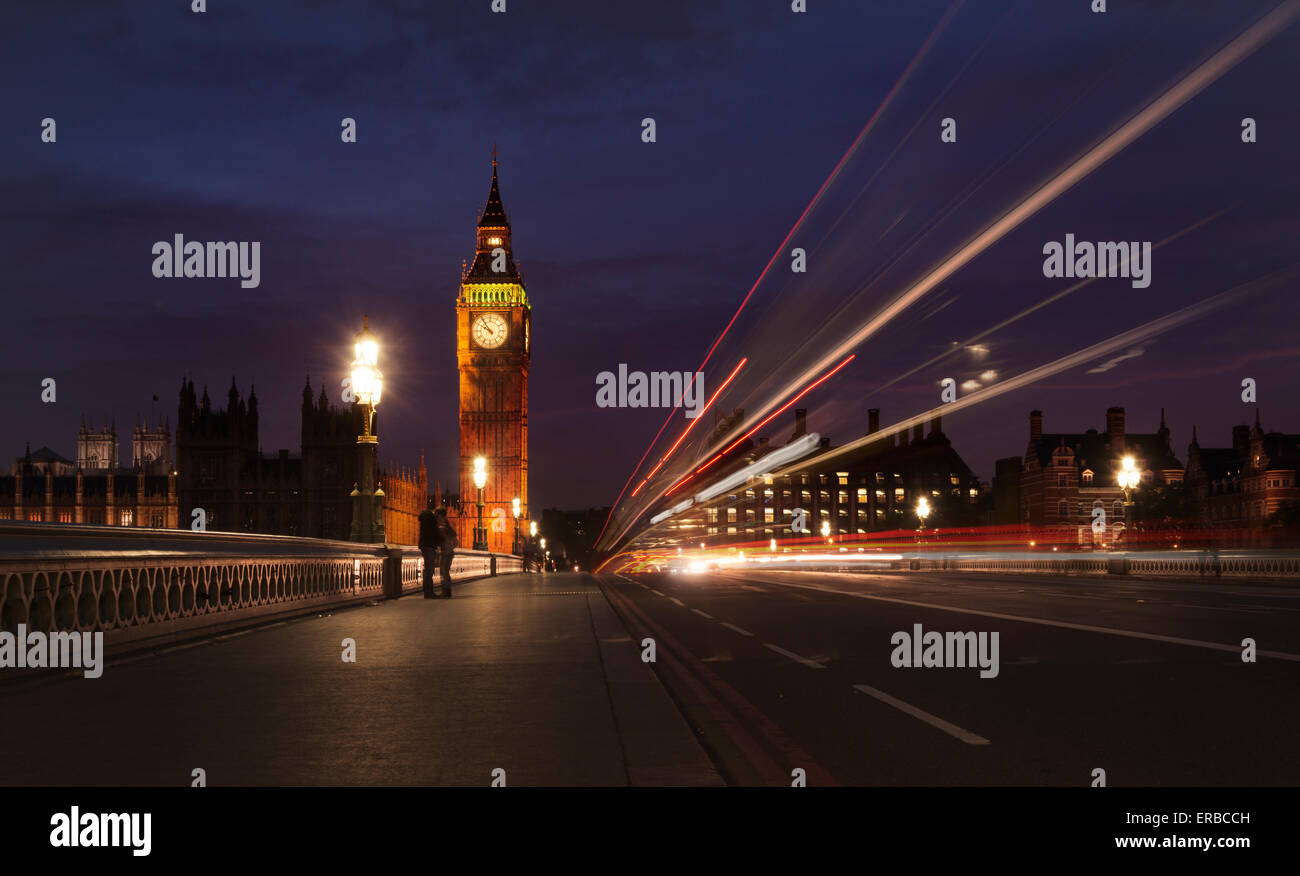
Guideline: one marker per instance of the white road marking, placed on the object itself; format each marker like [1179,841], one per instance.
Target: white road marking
[933,720]
[1218,607]
[702,613]
[676,600]
[182,647]
[1087,628]
[655,592]
[231,635]
[811,664]
[735,628]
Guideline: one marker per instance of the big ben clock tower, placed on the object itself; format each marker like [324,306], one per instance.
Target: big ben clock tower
[492,355]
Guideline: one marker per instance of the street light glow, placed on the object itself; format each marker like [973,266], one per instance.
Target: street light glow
[1128,474]
[480,472]
[514,503]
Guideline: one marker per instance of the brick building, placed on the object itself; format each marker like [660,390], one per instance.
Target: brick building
[1243,484]
[874,487]
[1065,475]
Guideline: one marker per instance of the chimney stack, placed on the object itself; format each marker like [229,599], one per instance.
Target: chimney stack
[1241,440]
[800,422]
[1035,425]
[1115,429]
[918,432]
[936,425]
[873,420]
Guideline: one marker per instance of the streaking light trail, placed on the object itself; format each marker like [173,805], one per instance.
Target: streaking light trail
[1145,119]
[907,73]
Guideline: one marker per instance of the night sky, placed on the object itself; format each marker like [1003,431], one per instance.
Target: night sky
[225,126]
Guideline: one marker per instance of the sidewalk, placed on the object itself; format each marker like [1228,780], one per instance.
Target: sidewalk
[531,674]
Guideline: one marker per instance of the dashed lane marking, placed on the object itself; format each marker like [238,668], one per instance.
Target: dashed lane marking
[703,614]
[933,720]
[736,629]
[811,664]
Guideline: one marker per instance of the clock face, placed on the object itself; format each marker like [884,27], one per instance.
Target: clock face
[490,330]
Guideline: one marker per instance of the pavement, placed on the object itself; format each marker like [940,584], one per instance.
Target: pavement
[533,675]
[788,677]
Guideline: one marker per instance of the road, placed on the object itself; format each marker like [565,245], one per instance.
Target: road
[1142,679]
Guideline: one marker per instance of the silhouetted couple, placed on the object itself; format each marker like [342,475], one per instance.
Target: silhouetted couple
[438,544]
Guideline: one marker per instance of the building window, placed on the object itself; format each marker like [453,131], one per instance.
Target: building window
[1062,481]
[769,515]
[731,515]
[954,480]
[1117,510]
[65,516]
[898,495]
[1087,476]
[156,520]
[36,516]
[862,495]
[1061,509]
[843,477]
[126,517]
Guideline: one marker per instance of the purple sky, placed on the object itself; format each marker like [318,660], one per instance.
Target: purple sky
[224,126]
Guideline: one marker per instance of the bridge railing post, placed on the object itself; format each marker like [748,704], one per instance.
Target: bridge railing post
[392,573]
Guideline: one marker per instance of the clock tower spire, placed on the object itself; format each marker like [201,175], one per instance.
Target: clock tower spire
[493,350]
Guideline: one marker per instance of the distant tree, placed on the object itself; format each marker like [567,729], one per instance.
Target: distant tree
[1167,504]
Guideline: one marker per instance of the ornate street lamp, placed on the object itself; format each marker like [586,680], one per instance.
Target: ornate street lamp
[1129,478]
[368,386]
[514,506]
[922,512]
[480,480]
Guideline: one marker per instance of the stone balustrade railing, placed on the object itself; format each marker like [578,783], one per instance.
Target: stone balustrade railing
[147,585]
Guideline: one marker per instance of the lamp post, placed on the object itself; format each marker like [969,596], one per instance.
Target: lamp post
[544,555]
[514,545]
[922,512]
[1129,478]
[368,386]
[532,539]
[480,480]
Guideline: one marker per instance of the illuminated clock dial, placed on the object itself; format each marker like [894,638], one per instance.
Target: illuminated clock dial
[490,330]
